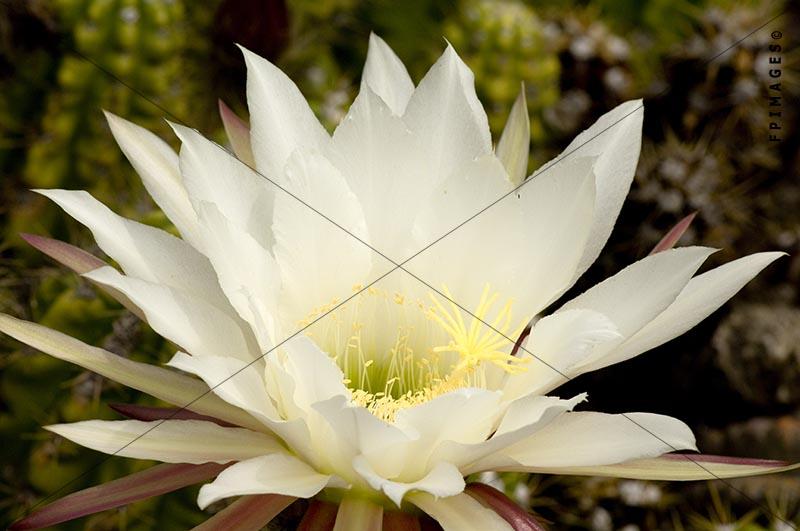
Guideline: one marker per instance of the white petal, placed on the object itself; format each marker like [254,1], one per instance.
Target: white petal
[280,118]
[278,473]
[354,430]
[472,187]
[157,165]
[212,175]
[587,438]
[443,480]
[701,296]
[170,441]
[316,375]
[533,234]
[296,379]
[648,287]
[465,416]
[192,323]
[523,418]
[169,386]
[318,260]
[532,409]
[247,272]
[243,385]
[555,345]
[445,113]
[459,512]
[142,251]
[514,145]
[615,138]
[231,379]
[386,170]
[386,75]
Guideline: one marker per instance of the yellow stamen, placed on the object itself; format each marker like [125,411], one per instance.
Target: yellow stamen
[480,343]
[399,377]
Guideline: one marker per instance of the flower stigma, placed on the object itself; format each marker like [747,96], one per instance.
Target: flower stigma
[397,351]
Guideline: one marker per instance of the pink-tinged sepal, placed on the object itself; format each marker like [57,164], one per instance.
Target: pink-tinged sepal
[154,481]
[505,507]
[238,134]
[726,460]
[320,516]
[248,512]
[79,261]
[400,521]
[147,413]
[671,238]
[358,514]
[73,257]
[678,467]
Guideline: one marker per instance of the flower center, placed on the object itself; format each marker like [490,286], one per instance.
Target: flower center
[397,352]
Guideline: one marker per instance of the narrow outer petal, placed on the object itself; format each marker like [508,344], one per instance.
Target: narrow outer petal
[280,118]
[157,165]
[514,144]
[647,287]
[703,295]
[588,438]
[154,481]
[238,134]
[169,441]
[674,467]
[161,383]
[386,75]
[147,413]
[249,513]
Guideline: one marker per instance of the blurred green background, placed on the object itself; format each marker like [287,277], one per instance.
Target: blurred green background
[706,149]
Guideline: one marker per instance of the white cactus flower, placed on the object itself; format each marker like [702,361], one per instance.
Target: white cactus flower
[387,271]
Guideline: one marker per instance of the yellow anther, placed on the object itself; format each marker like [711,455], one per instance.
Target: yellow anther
[385,375]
